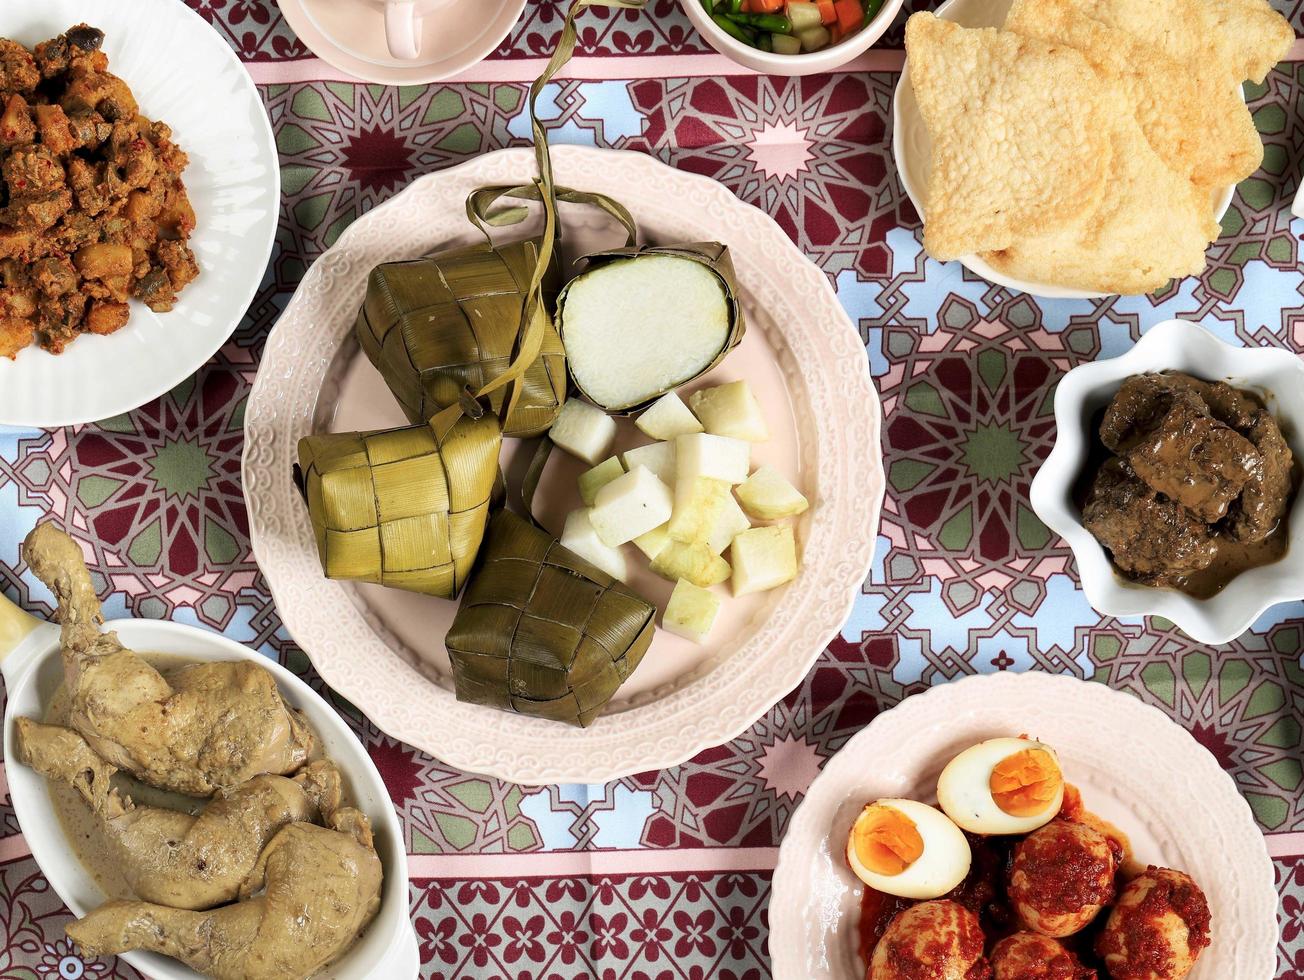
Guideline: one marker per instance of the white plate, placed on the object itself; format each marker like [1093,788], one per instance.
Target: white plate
[1174,345]
[911,149]
[183,73]
[1134,765]
[383,649]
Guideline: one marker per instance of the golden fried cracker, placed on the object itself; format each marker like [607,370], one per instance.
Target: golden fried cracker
[1020,134]
[1152,226]
[1237,39]
[1195,121]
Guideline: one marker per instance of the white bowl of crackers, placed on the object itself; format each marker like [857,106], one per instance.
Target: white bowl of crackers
[1080,148]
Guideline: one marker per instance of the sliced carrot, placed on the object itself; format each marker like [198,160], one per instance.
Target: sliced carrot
[835,33]
[850,14]
[828,14]
[766,6]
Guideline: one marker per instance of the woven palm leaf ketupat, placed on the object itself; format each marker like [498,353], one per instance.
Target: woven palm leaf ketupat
[406,507]
[542,632]
[436,325]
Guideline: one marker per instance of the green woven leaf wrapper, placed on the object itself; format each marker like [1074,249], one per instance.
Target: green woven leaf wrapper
[405,508]
[711,255]
[542,632]
[434,326]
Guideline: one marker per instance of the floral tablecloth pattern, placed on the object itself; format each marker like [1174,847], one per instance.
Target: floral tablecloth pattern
[665,875]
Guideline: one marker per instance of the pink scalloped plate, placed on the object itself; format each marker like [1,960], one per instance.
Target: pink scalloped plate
[383,649]
[1135,767]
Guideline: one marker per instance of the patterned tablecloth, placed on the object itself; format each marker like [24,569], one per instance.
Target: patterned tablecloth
[667,874]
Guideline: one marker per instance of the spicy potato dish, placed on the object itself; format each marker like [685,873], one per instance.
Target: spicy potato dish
[92,208]
[1010,877]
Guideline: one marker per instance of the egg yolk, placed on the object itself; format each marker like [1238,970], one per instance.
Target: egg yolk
[886,840]
[1025,783]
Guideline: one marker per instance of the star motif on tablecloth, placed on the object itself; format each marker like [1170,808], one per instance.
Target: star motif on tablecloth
[378,159]
[789,765]
[780,150]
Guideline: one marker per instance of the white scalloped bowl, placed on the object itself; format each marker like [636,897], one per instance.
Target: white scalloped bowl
[911,147]
[1134,766]
[1174,345]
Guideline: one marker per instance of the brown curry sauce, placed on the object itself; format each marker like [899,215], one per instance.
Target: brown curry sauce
[1231,557]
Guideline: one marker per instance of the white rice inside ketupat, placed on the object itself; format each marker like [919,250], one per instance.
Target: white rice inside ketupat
[637,327]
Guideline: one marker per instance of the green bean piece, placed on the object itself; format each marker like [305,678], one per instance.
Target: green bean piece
[872,7]
[709,6]
[770,23]
[764,42]
[735,6]
[734,30]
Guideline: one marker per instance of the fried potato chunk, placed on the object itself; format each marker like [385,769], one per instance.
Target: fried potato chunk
[1020,130]
[15,334]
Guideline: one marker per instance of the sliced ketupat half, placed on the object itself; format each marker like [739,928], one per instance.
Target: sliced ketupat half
[767,496]
[1241,39]
[668,417]
[691,611]
[1197,123]
[1019,130]
[1153,227]
[637,323]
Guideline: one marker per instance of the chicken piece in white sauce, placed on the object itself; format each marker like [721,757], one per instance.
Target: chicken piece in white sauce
[210,727]
[169,856]
[316,890]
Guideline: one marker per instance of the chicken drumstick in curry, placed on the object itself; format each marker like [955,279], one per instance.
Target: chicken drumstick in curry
[210,727]
[172,857]
[317,888]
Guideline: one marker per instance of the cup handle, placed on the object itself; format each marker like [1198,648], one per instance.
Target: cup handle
[401,29]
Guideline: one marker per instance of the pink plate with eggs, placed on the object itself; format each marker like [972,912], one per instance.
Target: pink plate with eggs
[1134,766]
[384,649]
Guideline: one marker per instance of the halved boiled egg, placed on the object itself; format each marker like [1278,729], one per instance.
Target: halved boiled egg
[1002,786]
[907,849]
